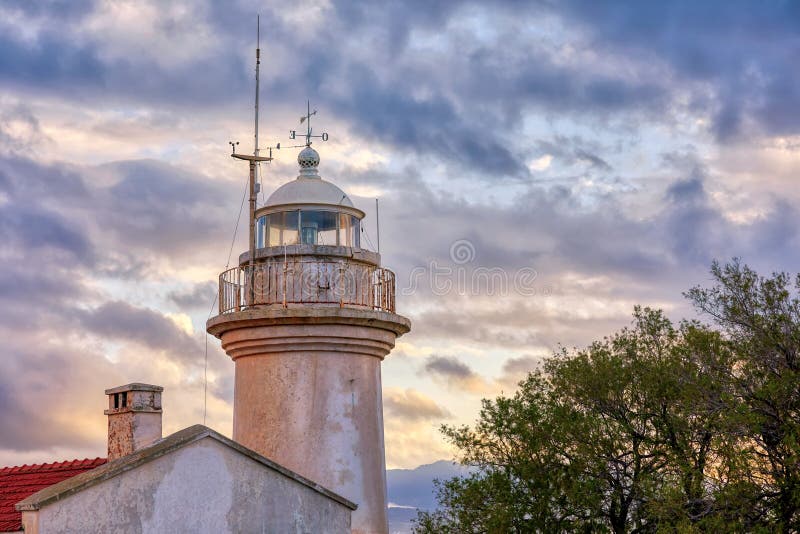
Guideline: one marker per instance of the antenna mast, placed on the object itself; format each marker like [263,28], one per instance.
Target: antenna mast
[378,224]
[258,64]
[253,160]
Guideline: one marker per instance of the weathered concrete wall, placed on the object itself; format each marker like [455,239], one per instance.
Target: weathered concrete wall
[319,414]
[134,418]
[202,487]
[308,396]
[130,431]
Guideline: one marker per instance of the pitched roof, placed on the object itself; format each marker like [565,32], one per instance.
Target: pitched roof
[17,483]
[156,450]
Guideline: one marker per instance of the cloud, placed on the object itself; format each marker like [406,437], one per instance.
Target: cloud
[411,405]
[52,395]
[749,76]
[150,328]
[516,369]
[614,149]
[455,374]
[395,92]
[161,208]
[200,295]
[62,325]
[449,367]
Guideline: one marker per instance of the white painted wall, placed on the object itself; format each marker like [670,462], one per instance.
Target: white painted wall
[204,486]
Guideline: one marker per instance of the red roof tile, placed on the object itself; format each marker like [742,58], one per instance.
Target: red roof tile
[17,483]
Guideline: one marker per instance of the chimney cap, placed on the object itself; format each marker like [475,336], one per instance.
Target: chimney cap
[135,386]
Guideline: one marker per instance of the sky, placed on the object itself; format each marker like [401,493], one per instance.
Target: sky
[542,167]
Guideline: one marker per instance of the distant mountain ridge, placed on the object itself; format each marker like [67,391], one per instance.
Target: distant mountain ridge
[414,487]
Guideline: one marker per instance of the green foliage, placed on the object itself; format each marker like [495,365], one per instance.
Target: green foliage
[761,317]
[658,428]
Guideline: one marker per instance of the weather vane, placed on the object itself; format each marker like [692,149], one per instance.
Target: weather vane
[307,119]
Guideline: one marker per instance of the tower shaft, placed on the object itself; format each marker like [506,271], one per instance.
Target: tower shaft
[308,395]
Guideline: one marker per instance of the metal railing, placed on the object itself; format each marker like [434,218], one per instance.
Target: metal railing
[284,283]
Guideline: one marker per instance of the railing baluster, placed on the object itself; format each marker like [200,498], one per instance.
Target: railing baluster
[302,282]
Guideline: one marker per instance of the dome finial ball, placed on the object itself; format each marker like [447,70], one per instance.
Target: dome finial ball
[308,158]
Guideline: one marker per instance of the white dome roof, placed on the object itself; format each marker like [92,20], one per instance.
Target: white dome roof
[309,188]
[305,190]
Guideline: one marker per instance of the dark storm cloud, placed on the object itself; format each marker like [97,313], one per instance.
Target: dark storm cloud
[35,288]
[53,62]
[593,159]
[59,236]
[428,124]
[64,10]
[475,91]
[746,50]
[162,208]
[43,250]
[120,320]
[39,229]
[399,18]
[474,100]
[648,258]
[150,207]
[61,61]
[462,105]
[470,92]
[62,230]
[26,181]
[536,78]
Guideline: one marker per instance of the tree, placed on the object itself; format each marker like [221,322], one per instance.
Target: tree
[761,317]
[657,428]
[661,412]
[624,436]
[524,481]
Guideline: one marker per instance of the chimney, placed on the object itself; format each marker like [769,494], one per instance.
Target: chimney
[134,418]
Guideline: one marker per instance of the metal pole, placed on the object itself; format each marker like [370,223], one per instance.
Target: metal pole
[251,293]
[258,63]
[378,225]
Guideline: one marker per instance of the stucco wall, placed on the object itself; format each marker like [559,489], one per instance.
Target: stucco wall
[319,414]
[201,487]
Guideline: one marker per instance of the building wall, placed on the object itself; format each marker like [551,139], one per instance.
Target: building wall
[308,396]
[202,487]
[319,414]
[129,431]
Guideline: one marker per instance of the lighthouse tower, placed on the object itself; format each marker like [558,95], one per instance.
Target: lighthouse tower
[307,317]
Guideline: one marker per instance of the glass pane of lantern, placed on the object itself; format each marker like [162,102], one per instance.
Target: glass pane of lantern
[275,224]
[261,226]
[345,231]
[291,235]
[319,227]
[328,228]
[308,233]
[356,224]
